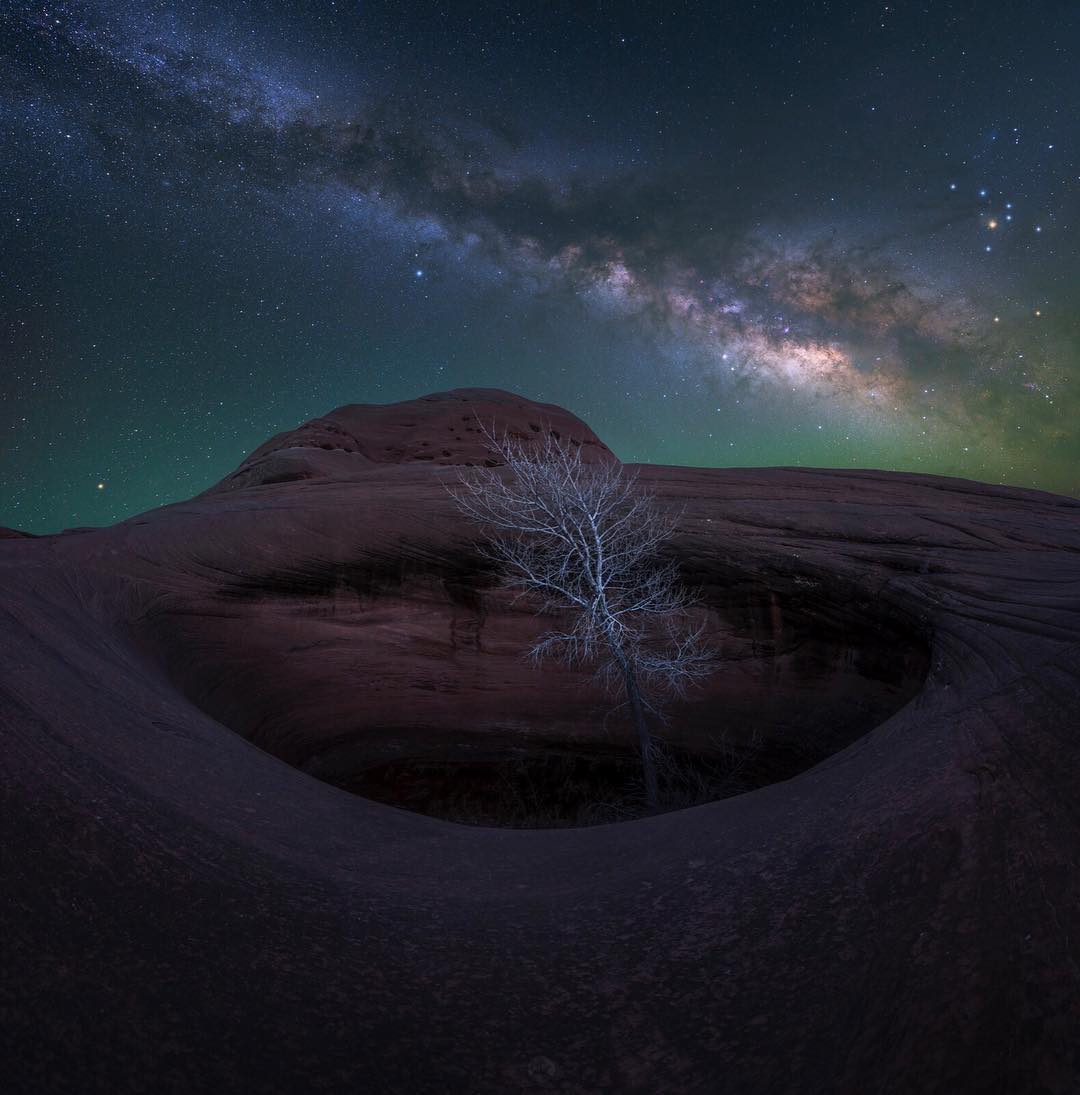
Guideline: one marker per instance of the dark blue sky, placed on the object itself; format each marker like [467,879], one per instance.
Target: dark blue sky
[819,234]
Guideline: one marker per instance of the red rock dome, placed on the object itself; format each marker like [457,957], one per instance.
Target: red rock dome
[441,429]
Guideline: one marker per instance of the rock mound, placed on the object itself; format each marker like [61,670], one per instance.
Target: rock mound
[443,429]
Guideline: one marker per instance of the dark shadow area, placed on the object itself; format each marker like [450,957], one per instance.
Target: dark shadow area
[558,784]
[806,664]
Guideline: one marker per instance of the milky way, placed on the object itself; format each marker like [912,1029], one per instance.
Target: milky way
[800,236]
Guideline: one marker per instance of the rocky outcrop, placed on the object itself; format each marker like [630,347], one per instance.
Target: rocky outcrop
[188,909]
[443,429]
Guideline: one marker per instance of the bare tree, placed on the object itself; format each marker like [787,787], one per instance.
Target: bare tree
[585,538]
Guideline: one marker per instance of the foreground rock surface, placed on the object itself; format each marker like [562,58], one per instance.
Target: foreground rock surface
[185,912]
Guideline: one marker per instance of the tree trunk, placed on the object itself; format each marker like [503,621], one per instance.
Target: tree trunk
[637,708]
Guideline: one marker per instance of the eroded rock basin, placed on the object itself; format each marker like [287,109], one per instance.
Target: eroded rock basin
[184,912]
[477,735]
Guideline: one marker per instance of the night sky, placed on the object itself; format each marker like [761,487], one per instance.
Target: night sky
[825,234]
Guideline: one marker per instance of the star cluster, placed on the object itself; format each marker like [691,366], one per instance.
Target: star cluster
[807,234]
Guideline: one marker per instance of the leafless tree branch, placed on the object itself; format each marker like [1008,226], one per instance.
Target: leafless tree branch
[585,538]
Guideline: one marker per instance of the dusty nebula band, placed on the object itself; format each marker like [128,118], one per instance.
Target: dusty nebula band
[839,238]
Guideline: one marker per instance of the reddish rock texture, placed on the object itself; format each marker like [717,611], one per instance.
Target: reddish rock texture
[441,429]
[184,912]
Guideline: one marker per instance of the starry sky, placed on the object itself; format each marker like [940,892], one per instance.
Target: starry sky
[814,233]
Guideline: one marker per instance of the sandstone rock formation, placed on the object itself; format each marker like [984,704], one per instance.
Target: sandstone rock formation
[187,909]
